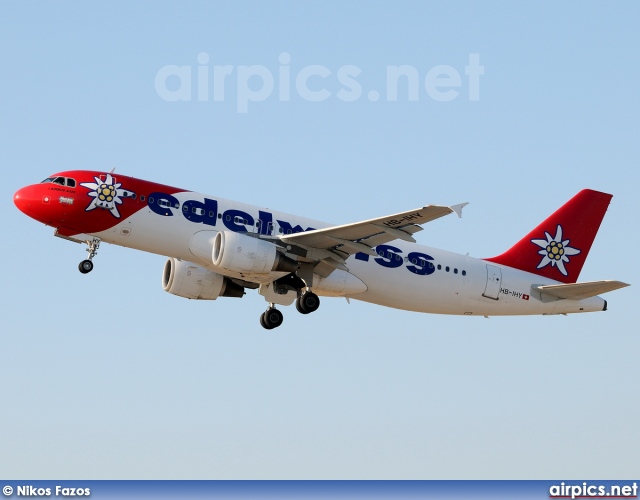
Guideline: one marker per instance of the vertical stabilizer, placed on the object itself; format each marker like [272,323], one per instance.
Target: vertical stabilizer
[558,248]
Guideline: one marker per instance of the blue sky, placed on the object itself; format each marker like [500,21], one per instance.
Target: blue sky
[108,376]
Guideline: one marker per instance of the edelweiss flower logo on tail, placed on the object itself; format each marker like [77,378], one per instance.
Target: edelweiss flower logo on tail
[555,251]
[106,194]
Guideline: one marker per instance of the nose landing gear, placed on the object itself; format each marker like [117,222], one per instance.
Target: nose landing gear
[86,266]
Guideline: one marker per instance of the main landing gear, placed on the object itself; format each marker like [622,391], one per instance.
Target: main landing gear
[86,266]
[306,303]
[271,318]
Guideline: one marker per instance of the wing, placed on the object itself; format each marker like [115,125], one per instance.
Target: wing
[330,247]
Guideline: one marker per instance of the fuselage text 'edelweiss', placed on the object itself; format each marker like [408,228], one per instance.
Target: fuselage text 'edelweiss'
[219,248]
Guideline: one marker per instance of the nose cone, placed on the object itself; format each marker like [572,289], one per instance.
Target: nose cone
[23,200]
[35,203]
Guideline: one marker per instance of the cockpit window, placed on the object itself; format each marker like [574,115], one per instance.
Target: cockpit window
[63,181]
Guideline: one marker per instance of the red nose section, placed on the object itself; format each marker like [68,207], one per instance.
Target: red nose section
[31,201]
[23,199]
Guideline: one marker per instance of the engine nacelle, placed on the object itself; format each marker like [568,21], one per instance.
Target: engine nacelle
[188,280]
[245,254]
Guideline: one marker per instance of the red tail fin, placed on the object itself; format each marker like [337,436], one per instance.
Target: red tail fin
[558,247]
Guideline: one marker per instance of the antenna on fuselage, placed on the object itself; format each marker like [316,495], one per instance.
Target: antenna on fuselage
[113,170]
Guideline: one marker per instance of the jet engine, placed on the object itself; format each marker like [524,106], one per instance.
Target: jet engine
[191,281]
[245,254]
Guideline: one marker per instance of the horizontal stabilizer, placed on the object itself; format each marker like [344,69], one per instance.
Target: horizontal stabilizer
[579,291]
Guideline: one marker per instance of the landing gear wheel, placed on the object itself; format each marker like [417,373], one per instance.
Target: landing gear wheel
[86,266]
[307,303]
[263,322]
[271,318]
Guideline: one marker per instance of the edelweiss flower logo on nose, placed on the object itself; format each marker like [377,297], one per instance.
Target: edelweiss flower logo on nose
[555,251]
[106,194]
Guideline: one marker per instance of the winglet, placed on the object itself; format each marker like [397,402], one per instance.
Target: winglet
[458,208]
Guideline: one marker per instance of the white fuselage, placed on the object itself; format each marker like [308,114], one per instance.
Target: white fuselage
[456,284]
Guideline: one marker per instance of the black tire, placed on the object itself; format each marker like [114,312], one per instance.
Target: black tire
[299,308]
[263,322]
[308,303]
[273,318]
[86,266]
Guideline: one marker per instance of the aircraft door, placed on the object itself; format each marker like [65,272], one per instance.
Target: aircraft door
[494,281]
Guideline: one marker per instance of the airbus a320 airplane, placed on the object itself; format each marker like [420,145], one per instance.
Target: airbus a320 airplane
[219,248]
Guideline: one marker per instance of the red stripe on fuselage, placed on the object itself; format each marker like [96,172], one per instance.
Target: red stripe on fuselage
[71,207]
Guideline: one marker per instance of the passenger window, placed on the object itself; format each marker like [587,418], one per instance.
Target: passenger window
[455,270]
[185,208]
[446,268]
[439,267]
[464,273]
[142,198]
[151,200]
